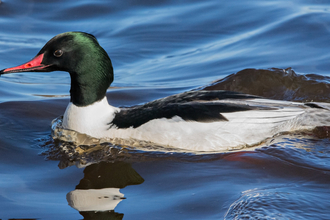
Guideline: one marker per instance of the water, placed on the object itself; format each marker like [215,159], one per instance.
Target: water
[159,48]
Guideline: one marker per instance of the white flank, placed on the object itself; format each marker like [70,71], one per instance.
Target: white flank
[242,128]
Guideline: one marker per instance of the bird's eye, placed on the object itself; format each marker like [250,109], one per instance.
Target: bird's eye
[58,53]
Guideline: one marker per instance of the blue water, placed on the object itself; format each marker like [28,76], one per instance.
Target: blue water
[160,48]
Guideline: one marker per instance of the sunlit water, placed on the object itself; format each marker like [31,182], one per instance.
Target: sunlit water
[159,48]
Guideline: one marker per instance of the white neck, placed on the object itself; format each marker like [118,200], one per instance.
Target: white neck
[90,119]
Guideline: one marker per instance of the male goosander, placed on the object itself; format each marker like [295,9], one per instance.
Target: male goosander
[194,120]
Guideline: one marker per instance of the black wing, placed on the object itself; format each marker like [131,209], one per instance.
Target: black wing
[190,106]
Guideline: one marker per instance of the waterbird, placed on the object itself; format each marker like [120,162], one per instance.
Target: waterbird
[194,120]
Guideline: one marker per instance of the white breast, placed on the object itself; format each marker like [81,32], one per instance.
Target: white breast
[91,119]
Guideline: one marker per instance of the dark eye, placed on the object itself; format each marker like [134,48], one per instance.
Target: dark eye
[58,53]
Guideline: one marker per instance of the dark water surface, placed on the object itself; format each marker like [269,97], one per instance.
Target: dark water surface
[160,48]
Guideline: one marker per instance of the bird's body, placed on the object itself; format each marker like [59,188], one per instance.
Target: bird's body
[195,120]
[244,121]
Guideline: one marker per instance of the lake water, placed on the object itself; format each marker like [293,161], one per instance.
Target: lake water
[160,48]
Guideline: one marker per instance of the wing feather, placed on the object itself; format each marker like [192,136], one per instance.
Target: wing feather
[200,106]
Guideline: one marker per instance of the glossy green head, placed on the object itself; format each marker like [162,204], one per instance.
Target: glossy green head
[79,54]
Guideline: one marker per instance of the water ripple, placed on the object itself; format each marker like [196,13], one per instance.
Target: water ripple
[278,202]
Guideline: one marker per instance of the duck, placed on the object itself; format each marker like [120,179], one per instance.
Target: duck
[198,120]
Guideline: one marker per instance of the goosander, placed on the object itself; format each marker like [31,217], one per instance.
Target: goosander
[193,120]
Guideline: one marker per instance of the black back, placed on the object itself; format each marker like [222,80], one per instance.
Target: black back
[190,106]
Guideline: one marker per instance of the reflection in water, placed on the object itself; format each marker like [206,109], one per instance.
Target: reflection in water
[105,173]
[97,194]
[94,199]
[111,215]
